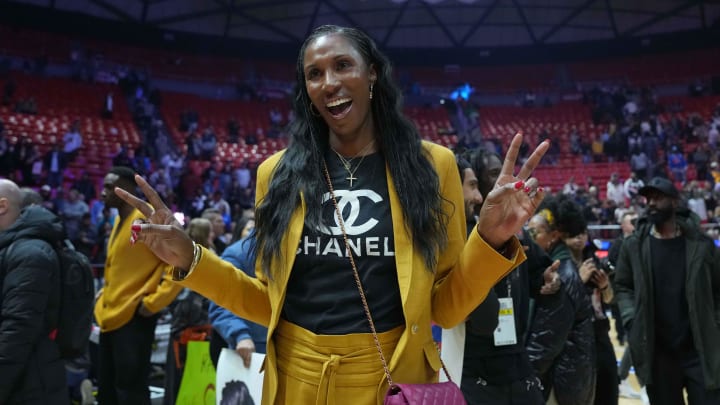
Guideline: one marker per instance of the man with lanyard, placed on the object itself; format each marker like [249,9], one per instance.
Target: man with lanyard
[496,369]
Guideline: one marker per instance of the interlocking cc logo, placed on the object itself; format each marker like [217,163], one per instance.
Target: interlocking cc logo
[352,198]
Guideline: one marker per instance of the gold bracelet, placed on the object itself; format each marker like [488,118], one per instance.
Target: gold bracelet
[197,254]
[180,273]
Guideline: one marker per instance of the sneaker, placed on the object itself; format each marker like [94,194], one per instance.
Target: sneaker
[86,392]
[627,390]
[645,399]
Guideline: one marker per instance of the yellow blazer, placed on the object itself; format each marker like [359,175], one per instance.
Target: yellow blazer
[464,275]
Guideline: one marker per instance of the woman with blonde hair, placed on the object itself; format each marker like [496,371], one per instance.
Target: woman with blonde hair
[200,230]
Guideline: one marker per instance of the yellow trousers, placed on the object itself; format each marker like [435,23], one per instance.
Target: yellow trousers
[331,369]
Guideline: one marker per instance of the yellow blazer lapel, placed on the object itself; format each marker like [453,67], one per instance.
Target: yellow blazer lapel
[403,245]
[278,286]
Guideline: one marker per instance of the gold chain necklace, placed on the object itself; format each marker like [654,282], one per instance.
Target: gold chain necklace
[347,163]
[654,232]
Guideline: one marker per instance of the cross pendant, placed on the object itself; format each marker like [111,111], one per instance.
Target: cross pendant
[351,178]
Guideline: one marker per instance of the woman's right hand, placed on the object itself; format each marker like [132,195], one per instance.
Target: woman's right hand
[161,232]
[586,270]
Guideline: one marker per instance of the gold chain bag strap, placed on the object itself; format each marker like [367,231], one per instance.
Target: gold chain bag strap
[445,393]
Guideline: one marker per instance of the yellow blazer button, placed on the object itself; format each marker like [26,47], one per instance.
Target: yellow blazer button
[414,329]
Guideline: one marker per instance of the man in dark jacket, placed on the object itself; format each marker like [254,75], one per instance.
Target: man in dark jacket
[30,364]
[668,290]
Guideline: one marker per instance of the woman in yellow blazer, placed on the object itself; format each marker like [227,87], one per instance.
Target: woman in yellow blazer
[349,119]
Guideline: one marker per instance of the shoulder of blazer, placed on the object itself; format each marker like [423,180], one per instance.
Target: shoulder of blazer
[268,165]
[440,155]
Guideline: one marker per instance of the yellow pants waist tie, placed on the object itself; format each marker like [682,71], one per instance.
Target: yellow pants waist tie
[327,367]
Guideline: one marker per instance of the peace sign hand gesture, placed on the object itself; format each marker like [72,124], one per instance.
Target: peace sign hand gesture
[162,233]
[513,199]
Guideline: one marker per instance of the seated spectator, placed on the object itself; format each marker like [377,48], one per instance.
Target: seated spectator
[570,188]
[715,174]
[251,138]
[697,88]
[55,163]
[696,202]
[615,190]
[275,118]
[193,143]
[85,240]
[713,136]
[107,111]
[6,153]
[26,106]
[72,141]
[632,186]
[208,144]
[677,164]
[597,146]
[86,187]
[72,213]
[233,130]
[701,157]
[123,157]
[9,91]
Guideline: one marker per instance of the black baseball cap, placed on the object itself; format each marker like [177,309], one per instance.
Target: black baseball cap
[661,185]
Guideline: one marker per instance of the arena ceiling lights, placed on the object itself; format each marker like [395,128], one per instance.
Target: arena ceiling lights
[458,24]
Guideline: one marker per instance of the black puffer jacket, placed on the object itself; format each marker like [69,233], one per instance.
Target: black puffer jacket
[30,364]
[561,342]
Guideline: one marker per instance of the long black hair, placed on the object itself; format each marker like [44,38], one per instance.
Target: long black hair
[300,170]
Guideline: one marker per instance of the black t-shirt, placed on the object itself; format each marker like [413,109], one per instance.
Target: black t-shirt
[672,322]
[322,295]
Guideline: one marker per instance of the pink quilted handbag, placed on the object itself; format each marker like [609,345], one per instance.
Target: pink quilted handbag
[445,393]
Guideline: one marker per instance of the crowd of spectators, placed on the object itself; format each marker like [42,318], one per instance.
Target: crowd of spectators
[634,130]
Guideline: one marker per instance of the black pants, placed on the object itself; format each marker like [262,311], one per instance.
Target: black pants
[619,328]
[124,369]
[522,392]
[606,384]
[674,371]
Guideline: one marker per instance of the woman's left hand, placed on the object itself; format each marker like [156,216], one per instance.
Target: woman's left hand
[600,278]
[513,199]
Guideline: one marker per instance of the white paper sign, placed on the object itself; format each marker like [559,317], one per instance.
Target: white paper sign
[452,351]
[233,379]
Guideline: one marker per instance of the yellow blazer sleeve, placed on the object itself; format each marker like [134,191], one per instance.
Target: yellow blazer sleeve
[466,270]
[230,288]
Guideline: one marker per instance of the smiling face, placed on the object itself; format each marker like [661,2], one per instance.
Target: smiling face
[541,233]
[487,179]
[471,193]
[338,79]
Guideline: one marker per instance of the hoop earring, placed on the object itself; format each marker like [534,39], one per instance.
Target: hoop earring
[313,111]
[371,90]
